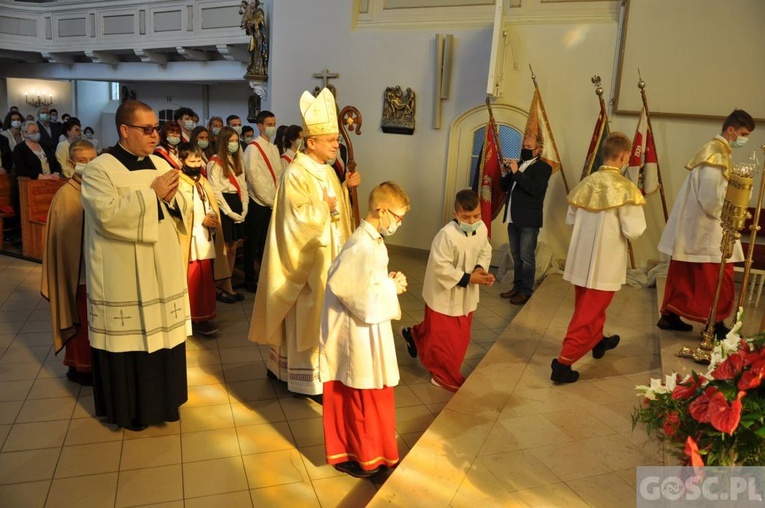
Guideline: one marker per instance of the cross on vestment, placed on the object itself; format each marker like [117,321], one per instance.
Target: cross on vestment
[175,311]
[122,318]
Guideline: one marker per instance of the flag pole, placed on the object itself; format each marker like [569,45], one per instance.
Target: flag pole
[547,122]
[599,92]
[641,85]
[494,131]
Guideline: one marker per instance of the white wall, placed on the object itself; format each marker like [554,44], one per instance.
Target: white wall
[61,91]
[92,99]
[223,98]
[318,36]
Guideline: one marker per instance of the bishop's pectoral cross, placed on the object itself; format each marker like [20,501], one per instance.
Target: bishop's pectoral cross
[326,75]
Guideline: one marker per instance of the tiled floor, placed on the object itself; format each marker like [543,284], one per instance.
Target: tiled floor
[511,438]
[241,440]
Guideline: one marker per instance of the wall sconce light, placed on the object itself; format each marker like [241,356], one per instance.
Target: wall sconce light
[37,99]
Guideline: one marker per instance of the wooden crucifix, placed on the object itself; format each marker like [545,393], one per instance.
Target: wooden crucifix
[326,75]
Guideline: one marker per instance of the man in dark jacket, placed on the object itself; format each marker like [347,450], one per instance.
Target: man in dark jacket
[525,182]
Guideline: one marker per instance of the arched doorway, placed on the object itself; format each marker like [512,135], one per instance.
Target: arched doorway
[465,141]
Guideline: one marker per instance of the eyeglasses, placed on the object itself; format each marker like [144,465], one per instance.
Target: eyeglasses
[148,130]
[399,218]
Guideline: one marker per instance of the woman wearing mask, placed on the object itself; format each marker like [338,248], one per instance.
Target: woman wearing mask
[32,159]
[214,126]
[226,174]
[200,137]
[90,136]
[12,128]
[292,138]
[169,138]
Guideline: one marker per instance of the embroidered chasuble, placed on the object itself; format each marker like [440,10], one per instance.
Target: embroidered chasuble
[137,295]
[303,240]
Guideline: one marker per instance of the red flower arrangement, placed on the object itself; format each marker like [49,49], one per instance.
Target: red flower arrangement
[714,419]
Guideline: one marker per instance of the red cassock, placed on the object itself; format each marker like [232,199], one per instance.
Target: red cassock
[360,426]
[77,352]
[585,329]
[691,288]
[441,345]
[201,290]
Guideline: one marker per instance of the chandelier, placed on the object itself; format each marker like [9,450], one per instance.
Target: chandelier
[38,99]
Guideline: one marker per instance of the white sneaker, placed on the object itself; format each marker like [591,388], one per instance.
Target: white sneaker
[435,383]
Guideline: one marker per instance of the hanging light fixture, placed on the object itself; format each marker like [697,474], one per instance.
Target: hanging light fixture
[36,98]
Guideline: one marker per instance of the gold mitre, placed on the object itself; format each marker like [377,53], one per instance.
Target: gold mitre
[319,113]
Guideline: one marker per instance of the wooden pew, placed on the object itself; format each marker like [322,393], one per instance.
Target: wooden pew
[6,203]
[35,197]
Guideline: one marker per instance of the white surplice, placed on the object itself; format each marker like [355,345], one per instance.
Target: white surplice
[357,346]
[597,254]
[454,253]
[693,232]
[137,295]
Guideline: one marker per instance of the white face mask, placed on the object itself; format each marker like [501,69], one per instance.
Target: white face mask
[189,124]
[740,141]
[469,228]
[270,132]
[79,168]
[233,146]
[392,227]
[15,124]
[216,131]
[238,129]
[173,140]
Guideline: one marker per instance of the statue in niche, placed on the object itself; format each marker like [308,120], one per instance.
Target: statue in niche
[398,111]
[254,24]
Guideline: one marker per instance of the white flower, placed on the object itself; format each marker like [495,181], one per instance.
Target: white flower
[669,382]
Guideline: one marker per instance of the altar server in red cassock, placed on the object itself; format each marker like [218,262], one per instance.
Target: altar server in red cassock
[693,234]
[606,210]
[357,359]
[459,256]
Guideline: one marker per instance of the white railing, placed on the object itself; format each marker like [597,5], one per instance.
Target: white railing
[100,28]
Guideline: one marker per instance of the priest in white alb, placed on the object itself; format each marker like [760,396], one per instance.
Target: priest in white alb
[310,223]
[138,306]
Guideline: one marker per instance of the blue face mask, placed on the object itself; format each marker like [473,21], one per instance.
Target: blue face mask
[470,228]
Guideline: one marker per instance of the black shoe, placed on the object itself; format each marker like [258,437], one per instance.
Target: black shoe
[562,373]
[225,297]
[238,297]
[252,287]
[354,469]
[136,426]
[604,345]
[81,378]
[508,294]
[206,328]
[721,330]
[411,347]
[672,321]
[318,398]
